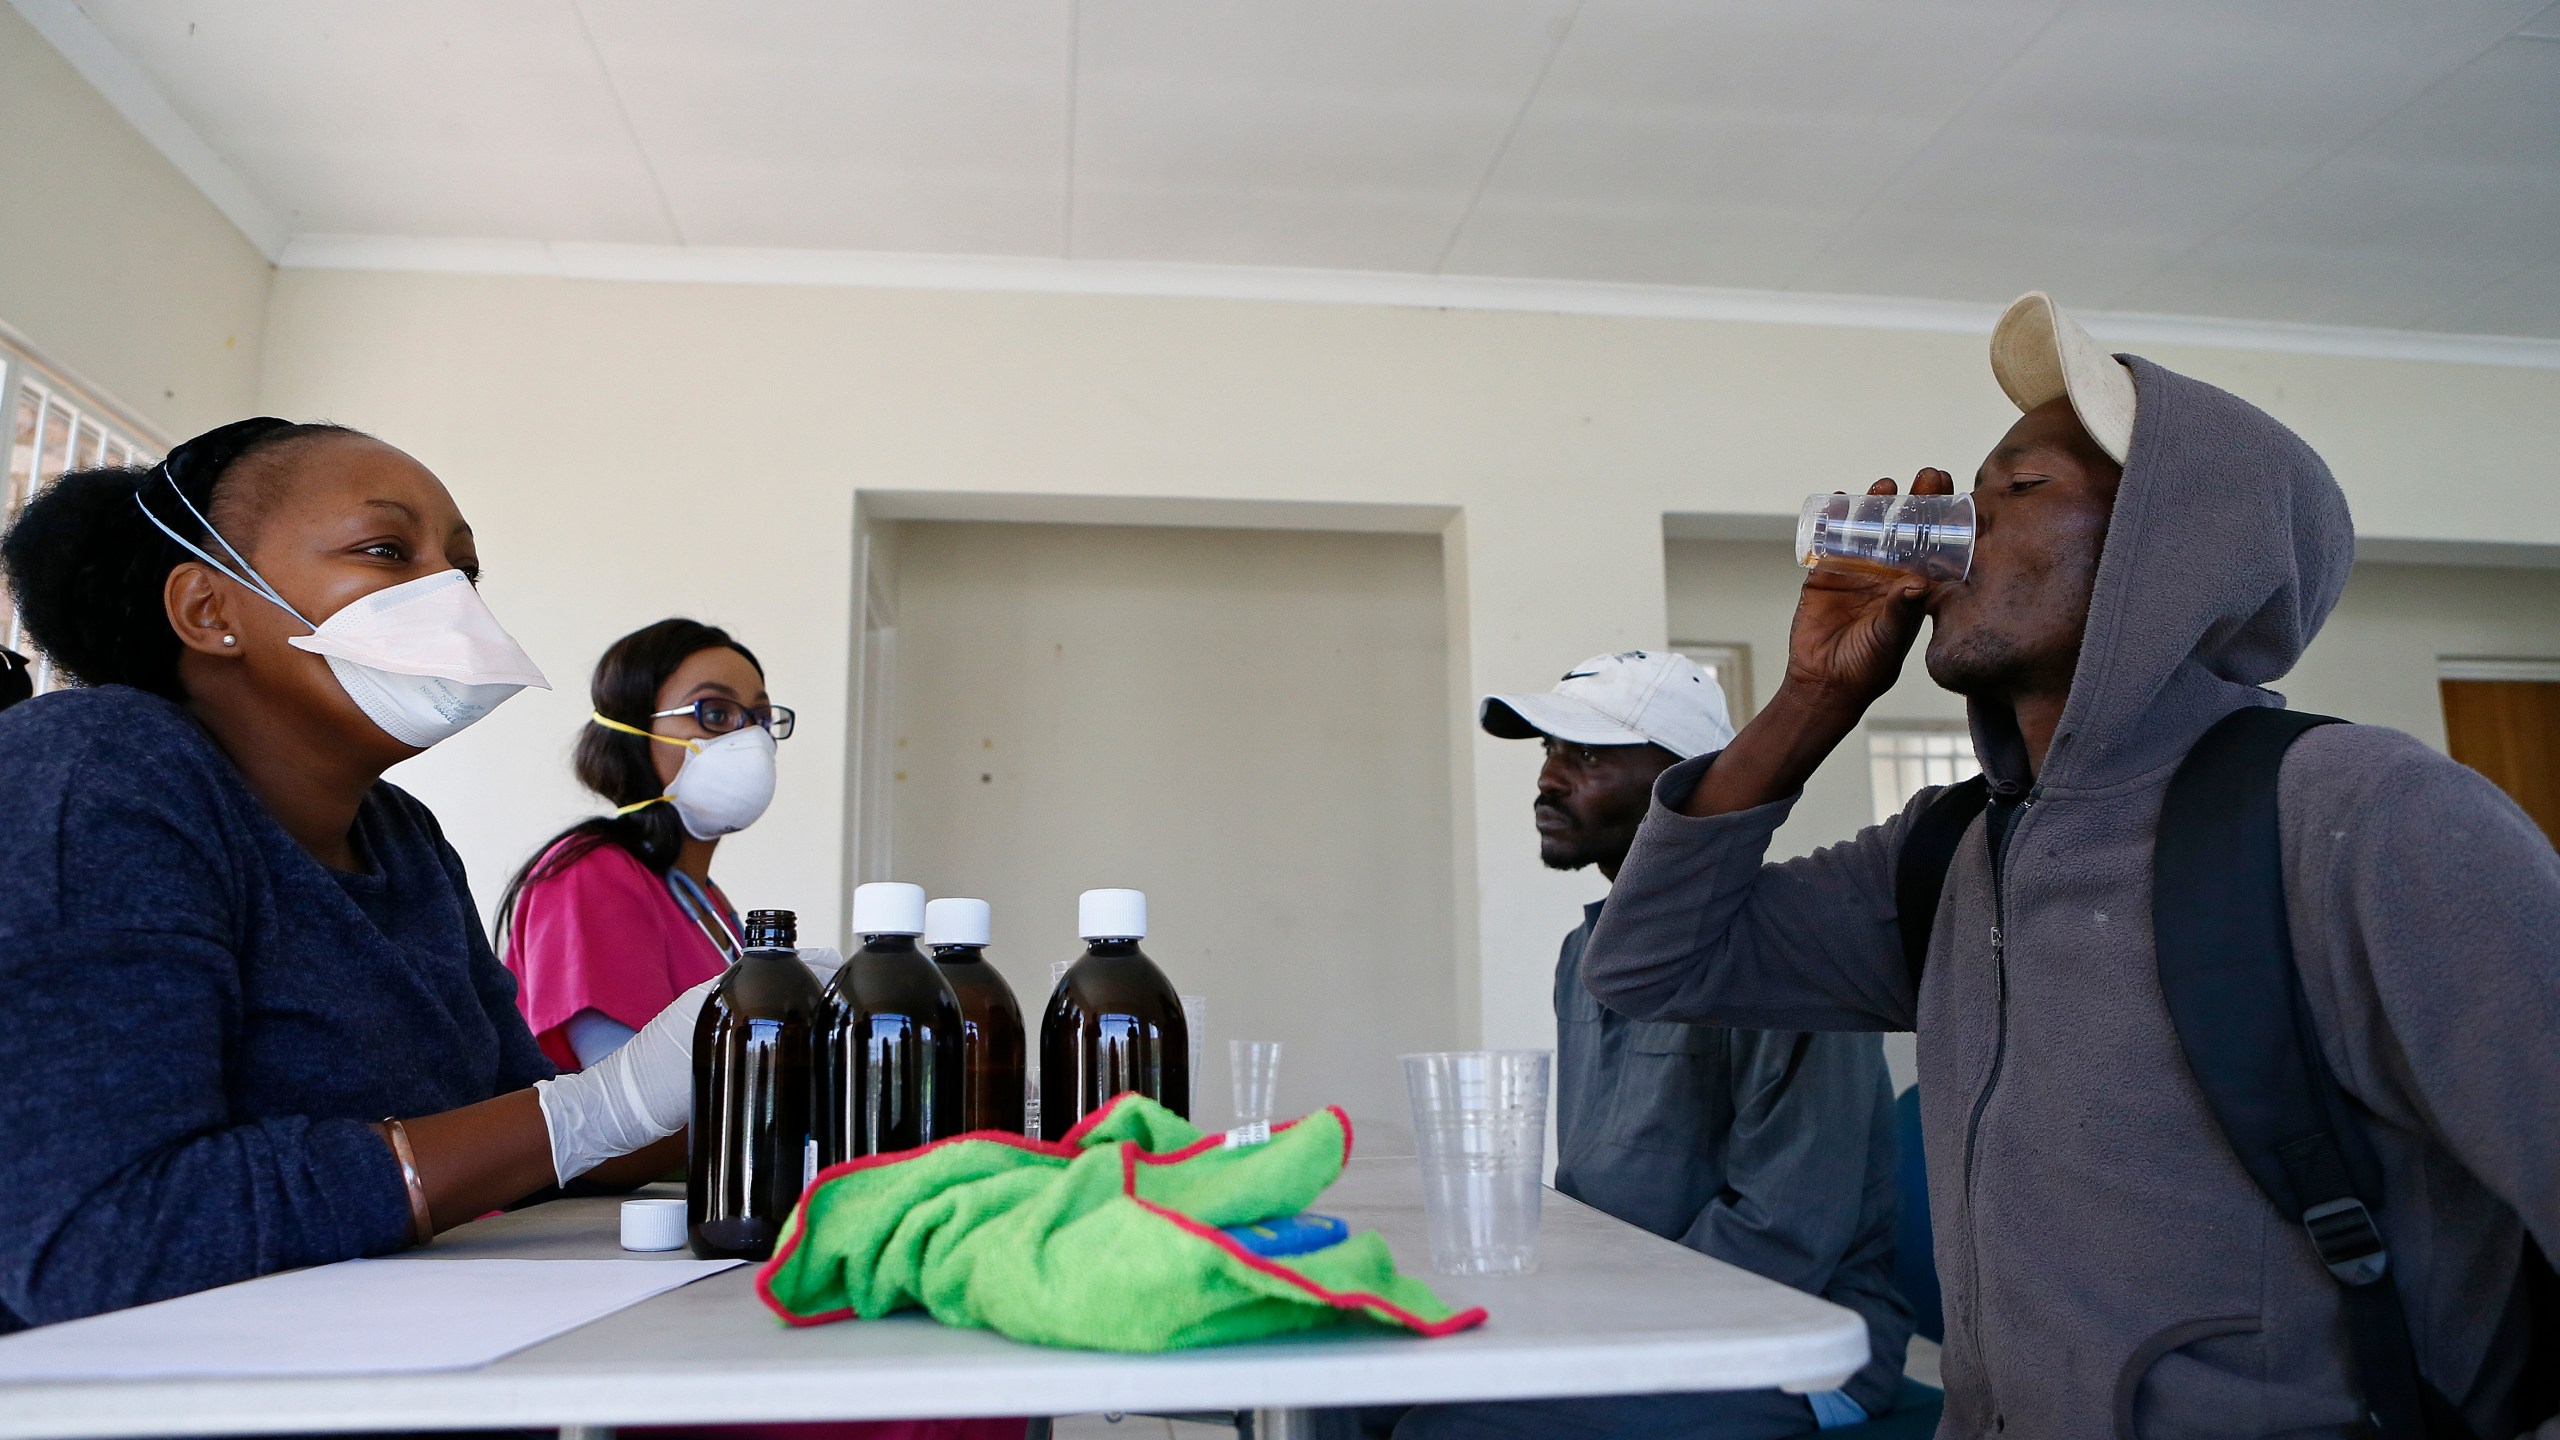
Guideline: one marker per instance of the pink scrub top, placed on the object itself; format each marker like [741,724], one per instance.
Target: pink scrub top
[604,934]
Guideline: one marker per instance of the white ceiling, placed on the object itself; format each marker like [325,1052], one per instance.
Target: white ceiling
[2380,163]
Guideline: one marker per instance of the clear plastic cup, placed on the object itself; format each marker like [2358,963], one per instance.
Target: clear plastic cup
[1930,536]
[1253,1068]
[1195,1018]
[1480,1126]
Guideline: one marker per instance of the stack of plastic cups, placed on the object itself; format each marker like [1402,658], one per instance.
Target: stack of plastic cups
[1253,1067]
[1480,1123]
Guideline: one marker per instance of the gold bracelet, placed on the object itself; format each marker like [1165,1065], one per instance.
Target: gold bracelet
[421,1224]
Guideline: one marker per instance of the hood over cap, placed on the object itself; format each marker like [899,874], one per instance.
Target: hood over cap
[2110,1266]
[2229,545]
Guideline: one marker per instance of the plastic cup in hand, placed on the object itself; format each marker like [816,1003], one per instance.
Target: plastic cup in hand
[1480,1125]
[1254,1068]
[1930,536]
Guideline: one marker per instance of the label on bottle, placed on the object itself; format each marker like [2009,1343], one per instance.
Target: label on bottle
[1257,1133]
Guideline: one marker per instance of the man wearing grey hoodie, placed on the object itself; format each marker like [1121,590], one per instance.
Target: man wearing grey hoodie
[2151,552]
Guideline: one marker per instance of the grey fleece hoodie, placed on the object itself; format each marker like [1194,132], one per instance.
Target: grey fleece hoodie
[2108,1266]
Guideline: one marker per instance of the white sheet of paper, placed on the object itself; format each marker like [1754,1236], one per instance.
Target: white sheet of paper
[359,1317]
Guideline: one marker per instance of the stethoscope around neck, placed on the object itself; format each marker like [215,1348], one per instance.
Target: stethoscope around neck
[713,921]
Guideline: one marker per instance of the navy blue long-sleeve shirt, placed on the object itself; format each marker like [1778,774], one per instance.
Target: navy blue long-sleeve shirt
[198,1019]
[1773,1150]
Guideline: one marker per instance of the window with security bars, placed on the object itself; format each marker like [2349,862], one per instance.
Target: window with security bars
[1907,757]
[54,426]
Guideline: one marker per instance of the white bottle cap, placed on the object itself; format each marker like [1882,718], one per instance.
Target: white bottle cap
[958,922]
[888,908]
[652,1223]
[1112,915]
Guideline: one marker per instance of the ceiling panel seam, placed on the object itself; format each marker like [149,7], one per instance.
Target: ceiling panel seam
[1519,117]
[622,113]
[124,86]
[1075,67]
[1922,151]
[2299,177]
[2456,305]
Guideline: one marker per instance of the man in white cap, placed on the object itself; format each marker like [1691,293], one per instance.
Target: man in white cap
[1771,1150]
[2236,1062]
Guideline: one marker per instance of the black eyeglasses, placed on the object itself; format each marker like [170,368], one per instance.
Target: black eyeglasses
[722,716]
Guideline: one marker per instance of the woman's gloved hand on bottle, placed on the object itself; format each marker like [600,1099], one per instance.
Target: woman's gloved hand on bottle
[640,1093]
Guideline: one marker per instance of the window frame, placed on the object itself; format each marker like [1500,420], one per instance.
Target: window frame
[1888,800]
[1730,662]
[121,437]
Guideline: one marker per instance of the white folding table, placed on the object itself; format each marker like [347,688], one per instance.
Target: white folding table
[1611,1310]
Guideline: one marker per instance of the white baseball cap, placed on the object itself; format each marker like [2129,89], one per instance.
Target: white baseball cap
[1634,697]
[2039,354]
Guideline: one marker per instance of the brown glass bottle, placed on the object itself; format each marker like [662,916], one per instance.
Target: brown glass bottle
[753,1145]
[893,1042]
[992,1043]
[1113,1024]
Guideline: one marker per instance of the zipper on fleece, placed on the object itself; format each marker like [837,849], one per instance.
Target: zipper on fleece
[2008,836]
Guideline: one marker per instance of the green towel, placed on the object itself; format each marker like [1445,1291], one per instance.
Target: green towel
[1107,1240]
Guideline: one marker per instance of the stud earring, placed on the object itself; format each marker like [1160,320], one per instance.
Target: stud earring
[230,639]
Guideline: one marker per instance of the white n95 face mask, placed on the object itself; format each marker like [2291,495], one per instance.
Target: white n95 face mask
[724,784]
[423,659]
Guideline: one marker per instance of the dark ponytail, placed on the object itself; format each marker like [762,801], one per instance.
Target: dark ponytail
[620,767]
[88,568]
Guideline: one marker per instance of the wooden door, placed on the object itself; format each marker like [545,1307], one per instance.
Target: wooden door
[2509,730]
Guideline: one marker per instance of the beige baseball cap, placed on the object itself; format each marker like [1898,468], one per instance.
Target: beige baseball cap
[2039,353]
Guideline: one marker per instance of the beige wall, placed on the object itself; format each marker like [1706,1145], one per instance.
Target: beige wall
[1244,724]
[632,450]
[2376,660]
[112,264]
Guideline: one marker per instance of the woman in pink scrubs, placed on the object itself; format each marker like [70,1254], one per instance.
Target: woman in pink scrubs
[618,915]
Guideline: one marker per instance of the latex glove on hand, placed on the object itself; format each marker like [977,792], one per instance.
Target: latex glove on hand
[642,1092]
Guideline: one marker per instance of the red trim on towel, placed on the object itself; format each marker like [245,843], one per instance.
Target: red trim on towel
[1131,1157]
[1340,1300]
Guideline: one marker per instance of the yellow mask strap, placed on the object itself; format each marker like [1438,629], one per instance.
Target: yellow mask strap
[612,724]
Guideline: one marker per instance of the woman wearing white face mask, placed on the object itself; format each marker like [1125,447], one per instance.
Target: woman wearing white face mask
[230,949]
[616,916]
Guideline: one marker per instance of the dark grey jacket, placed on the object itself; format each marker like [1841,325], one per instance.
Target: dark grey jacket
[2108,1266]
[1768,1149]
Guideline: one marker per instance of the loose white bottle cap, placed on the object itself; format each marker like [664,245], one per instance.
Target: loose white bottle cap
[1112,915]
[958,922]
[888,908]
[653,1224]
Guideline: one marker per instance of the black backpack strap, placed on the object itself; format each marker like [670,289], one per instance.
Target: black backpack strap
[2225,955]
[1920,871]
